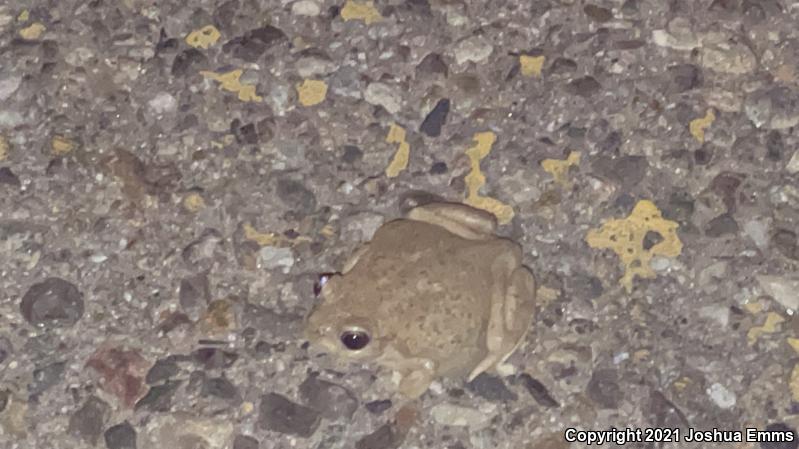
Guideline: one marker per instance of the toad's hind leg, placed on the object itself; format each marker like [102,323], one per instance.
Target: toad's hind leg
[512,311]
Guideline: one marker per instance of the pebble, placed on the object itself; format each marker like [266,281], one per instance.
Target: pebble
[313,66]
[785,242]
[88,422]
[793,164]
[245,442]
[603,388]
[52,303]
[9,178]
[385,437]
[722,54]
[782,288]
[473,49]
[184,431]
[296,195]
[381,94]
[277,413]
[331,400]
[537,390]
[684,77]
[307,8]
[362,226]
[757,230]
[678,35]
[378,407]
[273,257]
[120,436]
[45,377]
[774,107]
[721,225]
[8,85]
[159,397]
[455,415]
[10,119]
[432,64]
[721,396]
[584,87]
[163,102]
[435,118]
[718,313]
[491,388]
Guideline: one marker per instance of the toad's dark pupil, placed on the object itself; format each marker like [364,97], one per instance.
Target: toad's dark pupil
[355,340]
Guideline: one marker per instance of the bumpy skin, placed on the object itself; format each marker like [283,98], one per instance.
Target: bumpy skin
[438,293]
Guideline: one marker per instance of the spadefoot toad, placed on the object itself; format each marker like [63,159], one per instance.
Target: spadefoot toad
[436,293]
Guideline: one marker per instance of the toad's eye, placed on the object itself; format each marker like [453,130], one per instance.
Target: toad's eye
[354,340]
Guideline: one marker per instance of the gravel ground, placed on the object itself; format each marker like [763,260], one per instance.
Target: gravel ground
[174,177]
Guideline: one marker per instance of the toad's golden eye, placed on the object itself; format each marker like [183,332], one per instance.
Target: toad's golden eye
[354,340]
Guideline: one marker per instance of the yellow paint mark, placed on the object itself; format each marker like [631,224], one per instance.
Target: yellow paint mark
[682,383]
[34,31]
[61,145]
[24,16]
[396,134]
[311,92]
[261,238]
[247,407]
[531,65]
[193,202]
[626,238]
[794,342]
[5,148]
[365,11]
[699,125]
[204,37]
[754,307]
[475,179]
[794,383]
[559,168]
[230,82]
[769,327]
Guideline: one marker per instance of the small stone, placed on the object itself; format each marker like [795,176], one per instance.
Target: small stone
[626,171]
[435,119]
[380,94]
[432,64]
[757,230]
[604,390]
[537,390]
[719,314]
[727,57]
[296,195]
[8,85]
[793,164]
[385,437]
[122,372]
[45,377]
[455,415]
[474,49]
[272,257]
[305,8]
[163,102]
[598,13]
[678,35]
[362,226]
[722,225]
[786,443]
[313,66]
[188,61]
[351,154]
[194,293]
[584,87]
[253,44]
[438,168]
[245,442]
[378,407]
[159,397]
[785,242]
[180,430]
[88,422]
[278,414]
[331,400]
[220,387]
[775,147]
[120,436]
[491,388]
[10,119]
[684,77]
[9,178]
[773,108]
[782,288]
[214,358]
[721,396]
[6,349]
[52,303]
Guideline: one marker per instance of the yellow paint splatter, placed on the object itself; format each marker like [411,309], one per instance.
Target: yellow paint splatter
[311,92]
[24,16]
[396,134]
[699,125]
[769,327]
[61,145]
[261,238]
[794,342]
[753,307]
[230,82]
[32,32]
[475,179]
[682,383]
[626,238]
[531,65]
[794,383]
[365,11]
[559,168]
[204,37]
[5,148]
[328,231]
[193,202]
